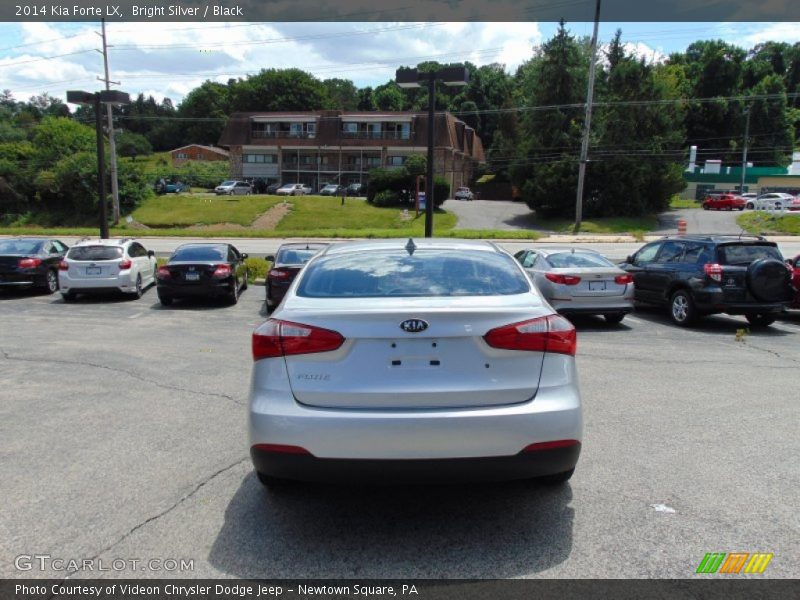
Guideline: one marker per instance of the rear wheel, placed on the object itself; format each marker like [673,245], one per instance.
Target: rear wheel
[614,318]
[164,299]
[244,282]
[556,478]
[50,283]
[137,292]
[681,308]
[760,320]
[233,295]
[750,205]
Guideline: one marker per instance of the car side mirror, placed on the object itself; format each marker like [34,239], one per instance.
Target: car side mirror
[244,255]
[629,260]
[270,258]
[151,253]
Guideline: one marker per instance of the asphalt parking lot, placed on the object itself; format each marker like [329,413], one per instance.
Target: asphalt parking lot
[124,437]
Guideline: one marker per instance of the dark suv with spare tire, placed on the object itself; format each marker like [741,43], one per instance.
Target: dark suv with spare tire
[696,275]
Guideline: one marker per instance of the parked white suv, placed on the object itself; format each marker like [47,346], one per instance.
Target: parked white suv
[106,265]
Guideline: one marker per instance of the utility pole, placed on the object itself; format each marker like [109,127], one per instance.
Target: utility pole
[744,147]
[112,146]
[587,123]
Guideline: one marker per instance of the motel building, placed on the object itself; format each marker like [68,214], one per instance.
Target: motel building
[321,147]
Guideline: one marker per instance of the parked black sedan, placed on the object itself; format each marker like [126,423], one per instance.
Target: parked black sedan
[288,261]
[202,270]
[31,262]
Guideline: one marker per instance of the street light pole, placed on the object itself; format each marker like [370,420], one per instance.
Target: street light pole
[429,172]
[411,78]
[744,148]
[101,168]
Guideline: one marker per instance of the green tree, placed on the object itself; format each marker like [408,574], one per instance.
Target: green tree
[132,144]
[342,92]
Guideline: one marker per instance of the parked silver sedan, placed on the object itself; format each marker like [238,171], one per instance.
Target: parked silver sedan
[579,281]
[414,360]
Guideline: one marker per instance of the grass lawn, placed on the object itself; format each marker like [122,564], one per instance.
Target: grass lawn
[179,210]
[678,202]
[636,226]
[320,216]
[760,222]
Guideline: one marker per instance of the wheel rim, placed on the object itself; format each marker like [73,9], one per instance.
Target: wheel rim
[680,308]
[139,285]
[52,282]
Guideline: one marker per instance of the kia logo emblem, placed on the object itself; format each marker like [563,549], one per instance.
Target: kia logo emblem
[413,325]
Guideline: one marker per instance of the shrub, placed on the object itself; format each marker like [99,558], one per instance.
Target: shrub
[386,198]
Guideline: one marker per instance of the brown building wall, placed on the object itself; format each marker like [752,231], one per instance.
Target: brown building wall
[195,153]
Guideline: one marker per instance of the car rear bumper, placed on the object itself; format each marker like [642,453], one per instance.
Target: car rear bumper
[123,282]
[215,290]
[19,279]
[713,301]
[357,440]
[523,465]
[593,305]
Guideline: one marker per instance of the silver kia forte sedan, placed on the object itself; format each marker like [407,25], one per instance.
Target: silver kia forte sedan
[414,360]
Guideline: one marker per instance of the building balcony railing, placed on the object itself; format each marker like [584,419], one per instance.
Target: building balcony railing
[375,135]
[257,133]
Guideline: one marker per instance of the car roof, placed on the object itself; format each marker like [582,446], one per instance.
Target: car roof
[718,238]
[220,245]
[303,246]
[419,243]
[548,250]
[103,242]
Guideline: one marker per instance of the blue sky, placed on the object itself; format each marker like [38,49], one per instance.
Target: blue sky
[169,59]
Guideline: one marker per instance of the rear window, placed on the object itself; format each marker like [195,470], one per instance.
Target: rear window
[744,254]
[393,273]
[226,183]
[20,246]
[199,253]
[95,253]
[579,260]
[292,256]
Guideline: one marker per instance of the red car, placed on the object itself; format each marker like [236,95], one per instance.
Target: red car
[794,263]
[724,202]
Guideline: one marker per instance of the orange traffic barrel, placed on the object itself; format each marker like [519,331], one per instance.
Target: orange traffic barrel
[681,225]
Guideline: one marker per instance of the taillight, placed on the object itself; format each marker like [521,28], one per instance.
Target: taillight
[163,273]
[278,274]
[29,263]
[125,263]
[222,271]
[539,446]
[281,449]
[545,334]
[623,279]
[284,338]
[63,266]
[563,279]
[714,271]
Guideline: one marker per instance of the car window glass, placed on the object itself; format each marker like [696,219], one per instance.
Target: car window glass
[395,273]
[671,252]
[646,255]
[744,254]
[20,246]
[564,260]
[95,253]
[204,253]
[61,247]
[530,259]
[693,253]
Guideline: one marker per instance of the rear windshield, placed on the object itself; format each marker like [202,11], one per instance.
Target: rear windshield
[395,273]
[227,183]
[295,256]
[744,254]
[20,246]
[578,260]
[199,253]
[95,253]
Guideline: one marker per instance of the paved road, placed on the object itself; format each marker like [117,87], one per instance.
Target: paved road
[699,221]
[123,428]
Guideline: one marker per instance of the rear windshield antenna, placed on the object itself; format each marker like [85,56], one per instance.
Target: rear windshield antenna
[410,247]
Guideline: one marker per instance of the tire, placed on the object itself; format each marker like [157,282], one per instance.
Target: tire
[750,205]
[556,478]
[51,282]
[233,295]
[741,208]
[244,283]
[614,318]
[705,207]
[69,296]
[164,299]
[137,293]
[760,320]
[681,308]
